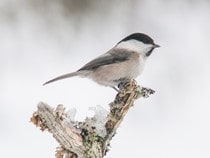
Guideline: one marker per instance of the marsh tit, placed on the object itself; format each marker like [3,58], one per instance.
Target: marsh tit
[125,61]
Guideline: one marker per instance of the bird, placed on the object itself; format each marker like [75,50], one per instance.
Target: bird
[124,62]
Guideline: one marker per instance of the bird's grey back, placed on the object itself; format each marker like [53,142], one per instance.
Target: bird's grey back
[111,57]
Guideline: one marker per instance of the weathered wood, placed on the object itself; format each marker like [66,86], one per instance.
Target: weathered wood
[90,138]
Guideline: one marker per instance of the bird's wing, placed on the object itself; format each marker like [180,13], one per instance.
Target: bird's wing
[111,57]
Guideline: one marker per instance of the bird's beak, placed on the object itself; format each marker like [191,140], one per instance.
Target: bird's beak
[156,46]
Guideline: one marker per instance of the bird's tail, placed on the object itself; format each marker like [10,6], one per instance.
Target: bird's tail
[62,77]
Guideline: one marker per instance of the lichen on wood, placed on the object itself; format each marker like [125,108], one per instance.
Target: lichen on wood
[90,138]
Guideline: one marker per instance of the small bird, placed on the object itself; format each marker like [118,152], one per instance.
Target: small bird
[125,61]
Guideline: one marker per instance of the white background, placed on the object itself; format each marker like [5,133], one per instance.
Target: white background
[40,39]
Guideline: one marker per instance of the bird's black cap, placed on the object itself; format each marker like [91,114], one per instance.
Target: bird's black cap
[139,37]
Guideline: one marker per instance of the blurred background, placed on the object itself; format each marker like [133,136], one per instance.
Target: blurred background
[40,39]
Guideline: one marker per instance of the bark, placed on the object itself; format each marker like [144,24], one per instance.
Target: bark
[90,138]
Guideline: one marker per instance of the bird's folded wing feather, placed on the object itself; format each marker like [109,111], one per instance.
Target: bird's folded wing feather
[113,57]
